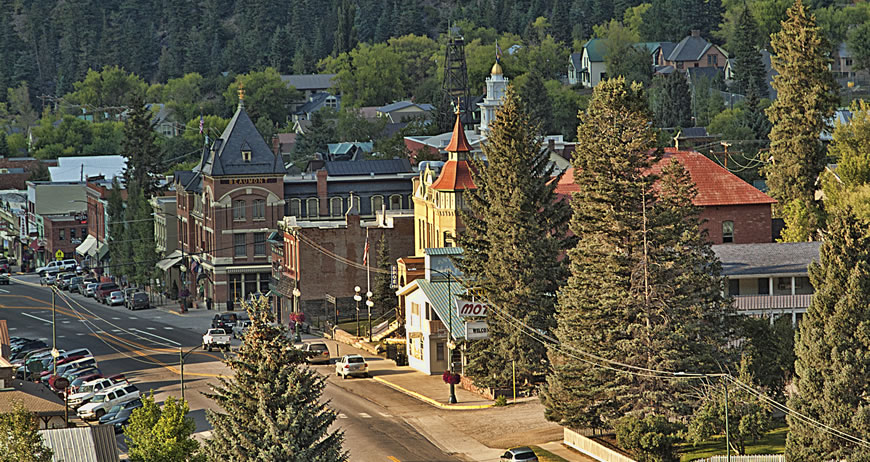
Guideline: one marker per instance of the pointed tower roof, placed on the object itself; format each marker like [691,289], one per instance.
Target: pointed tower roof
[456,173]
[225,156]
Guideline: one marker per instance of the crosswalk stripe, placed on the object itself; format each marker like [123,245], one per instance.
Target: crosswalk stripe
[342,416]
[116,319]
[167,328]
[151,328]
[389,416]
[133,318]
[364,415]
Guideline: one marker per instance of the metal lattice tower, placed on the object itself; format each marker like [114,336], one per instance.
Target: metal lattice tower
[454,87]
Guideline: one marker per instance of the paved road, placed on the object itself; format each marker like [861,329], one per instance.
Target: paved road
[144,345]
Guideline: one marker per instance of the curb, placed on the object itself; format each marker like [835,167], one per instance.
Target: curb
[426,399]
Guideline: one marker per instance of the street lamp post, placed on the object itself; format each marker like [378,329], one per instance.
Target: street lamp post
[451,345]
[369,305]
[298,326]
[181,355]
[357,298]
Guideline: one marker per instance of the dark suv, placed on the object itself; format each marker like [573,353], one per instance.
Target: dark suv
[138,301]
[103,290]
[224,321]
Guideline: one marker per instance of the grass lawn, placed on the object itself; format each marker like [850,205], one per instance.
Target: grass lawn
[546,456]
[772,443]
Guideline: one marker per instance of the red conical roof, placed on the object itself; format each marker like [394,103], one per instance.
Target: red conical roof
[458,142]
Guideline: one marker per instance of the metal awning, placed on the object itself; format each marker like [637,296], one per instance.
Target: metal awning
[87,247]
[170,260]
[102,250]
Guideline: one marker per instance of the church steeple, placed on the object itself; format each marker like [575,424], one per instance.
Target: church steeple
[459,145]
[496,86]
[456,173]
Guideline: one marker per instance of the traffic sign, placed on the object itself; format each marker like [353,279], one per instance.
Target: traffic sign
[58,255]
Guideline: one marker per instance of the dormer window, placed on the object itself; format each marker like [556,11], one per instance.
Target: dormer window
[246,155]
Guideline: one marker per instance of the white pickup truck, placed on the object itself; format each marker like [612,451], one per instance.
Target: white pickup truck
[216,338]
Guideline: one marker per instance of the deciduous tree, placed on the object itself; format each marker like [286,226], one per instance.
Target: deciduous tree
[162,434]
[21,441]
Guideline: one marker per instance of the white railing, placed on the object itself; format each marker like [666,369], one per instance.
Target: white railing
[755,458]
[592,448]
[772,302]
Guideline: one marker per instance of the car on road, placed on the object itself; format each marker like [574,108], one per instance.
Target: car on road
[4,265]
[115,298]
[241,327]
[103,290]
[105,399]
[130,291]
[60,265]
[317,353]
[83,284]
[4,278]
[63,279]
[216,338]
[520,454]
[352,365]
[138,301]
[47,278]
[74,284]
[224,321]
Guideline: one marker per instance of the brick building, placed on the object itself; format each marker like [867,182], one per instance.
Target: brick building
[94,249]
[45,201]
[733,211]
[226,208]
[313,256]
[64,233]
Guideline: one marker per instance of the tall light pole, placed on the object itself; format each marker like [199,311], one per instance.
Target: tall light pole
[181,356]
[357,298]
[369,305]
[298,326]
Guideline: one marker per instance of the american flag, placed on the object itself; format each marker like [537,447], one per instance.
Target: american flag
[201,124]
[366,251]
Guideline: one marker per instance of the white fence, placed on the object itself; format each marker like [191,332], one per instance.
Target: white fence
[756,458]
[592,448]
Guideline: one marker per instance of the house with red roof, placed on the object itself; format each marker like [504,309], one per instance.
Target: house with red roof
[733,211]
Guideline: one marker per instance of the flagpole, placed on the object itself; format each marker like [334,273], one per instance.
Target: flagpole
[368,265]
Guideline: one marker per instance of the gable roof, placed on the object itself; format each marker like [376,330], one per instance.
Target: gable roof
[402,105]
[225,155]
[768,258]
[367,167]
[315,102]
[595,50]
[304,82]
[35,397]
[691,48]
[715,184]
[576,60]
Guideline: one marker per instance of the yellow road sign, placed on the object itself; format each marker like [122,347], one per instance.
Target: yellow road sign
[58,255]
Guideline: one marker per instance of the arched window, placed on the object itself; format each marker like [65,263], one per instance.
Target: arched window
[377,204]
[395,202]
[296,208]
[313,206]
[336,207]
[727,231]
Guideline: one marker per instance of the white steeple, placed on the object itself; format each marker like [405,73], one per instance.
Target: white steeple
[496,85]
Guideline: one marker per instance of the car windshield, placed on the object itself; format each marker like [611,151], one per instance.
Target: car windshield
[87,389]
[99,399]
[114,409]
[355,360]
[117,294]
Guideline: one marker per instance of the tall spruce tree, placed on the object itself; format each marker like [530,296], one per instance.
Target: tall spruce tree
[382,294]
[536,102]
[749,71]
[806,99]
[120,245]
[671,101]
[515,232]
[645,287]
[272,407]
[832,370]
[140,147]
[345,33]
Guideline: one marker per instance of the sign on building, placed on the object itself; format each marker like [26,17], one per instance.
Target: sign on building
[394,277]
[476,330]
[468,308]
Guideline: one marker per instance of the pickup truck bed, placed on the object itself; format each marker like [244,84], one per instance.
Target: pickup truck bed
[216,338]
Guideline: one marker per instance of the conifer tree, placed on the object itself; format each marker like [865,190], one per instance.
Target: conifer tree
[645,287]
[806,99]
[832,370]
[748,68]
[140,147]
[515,232]
[345,33]
[272,407]
[536,102]
[671,101]
[383,296]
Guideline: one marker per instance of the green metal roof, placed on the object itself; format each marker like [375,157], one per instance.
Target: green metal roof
[443,251]
[595,50]
[437,293]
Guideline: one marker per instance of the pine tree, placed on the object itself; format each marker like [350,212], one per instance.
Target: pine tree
[806,99]
[345,33]
[120,245]
[383,295]
[4,146]
[162,434]
[21,441]
[672,101]
[832,371]
[749,74]
[536,102]
[140,148]
[515,232]
[141,230]
[272,407]
[645,287]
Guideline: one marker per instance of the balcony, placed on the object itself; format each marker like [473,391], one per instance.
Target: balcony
[434,328]
[772,302]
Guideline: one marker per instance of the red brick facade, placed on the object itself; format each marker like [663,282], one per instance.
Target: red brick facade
[63,233]
[752,223]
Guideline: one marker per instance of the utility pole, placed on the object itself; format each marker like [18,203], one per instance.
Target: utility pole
[727,430]
[54,352]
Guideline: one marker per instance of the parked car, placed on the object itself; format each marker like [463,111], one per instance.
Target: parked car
[115,298]
[74,284]
[216,338]
[63,368]
[72,374]
[130,291]
[4,265]
[318,353]
[63,279]
[138,301]
[352,365]
[103,290]
[104,400]
[520,454]
[4,278]
[91,289]
[47,278]
[83,285]
[110,415]
[77,383]
[20,350]
[120,420]
[241,327]
[61,265]
[224,321]
[90,389]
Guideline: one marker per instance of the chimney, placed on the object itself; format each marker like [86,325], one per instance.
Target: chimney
[276,145]
[322,192]
[696,33]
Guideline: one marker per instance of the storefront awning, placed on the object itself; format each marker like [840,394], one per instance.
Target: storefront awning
[87,247]
[169,261]
[102,250]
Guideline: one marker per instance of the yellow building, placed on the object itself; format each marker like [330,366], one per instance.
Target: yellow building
[438,196]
